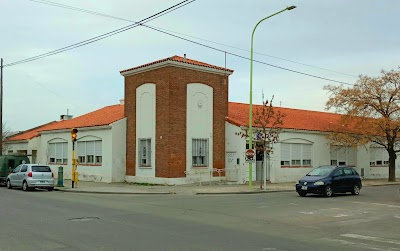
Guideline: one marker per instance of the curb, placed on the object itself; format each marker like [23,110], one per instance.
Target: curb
[377,185]
[126,193]
[254,192]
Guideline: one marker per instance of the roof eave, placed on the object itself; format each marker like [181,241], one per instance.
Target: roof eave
[79,129]
[155,66]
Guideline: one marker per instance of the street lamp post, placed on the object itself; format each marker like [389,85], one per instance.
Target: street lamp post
[251,94]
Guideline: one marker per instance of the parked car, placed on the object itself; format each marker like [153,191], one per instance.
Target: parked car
[328,180]
[8,163]
[30,176]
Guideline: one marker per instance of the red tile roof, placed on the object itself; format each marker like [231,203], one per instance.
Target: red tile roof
[103,116]
[238,114]
[181,60]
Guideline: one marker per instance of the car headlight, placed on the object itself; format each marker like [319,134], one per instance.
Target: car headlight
[319,183]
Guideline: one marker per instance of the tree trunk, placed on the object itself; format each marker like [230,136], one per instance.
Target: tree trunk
[392,164]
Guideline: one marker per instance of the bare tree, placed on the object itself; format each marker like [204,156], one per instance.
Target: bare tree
[6,134]
[268,123]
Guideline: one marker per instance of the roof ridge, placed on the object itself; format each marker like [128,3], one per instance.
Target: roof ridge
[179,59]
[91,112]
[31,129]
[289,108]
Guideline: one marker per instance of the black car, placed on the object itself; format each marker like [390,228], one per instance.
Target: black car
[327,180]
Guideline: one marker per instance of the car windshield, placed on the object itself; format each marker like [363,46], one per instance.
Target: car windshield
[41,169]
[320,171]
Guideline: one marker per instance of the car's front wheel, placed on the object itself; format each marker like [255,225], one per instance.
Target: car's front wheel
[328,192]
[25,186]
[356,190]
[302,194]
[9,184]
[50,188]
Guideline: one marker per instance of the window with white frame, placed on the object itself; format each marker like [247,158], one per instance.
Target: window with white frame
[200,152]
[295,154]
[144,152]
[58,153]
[90,152]
[378,156]
[343,155]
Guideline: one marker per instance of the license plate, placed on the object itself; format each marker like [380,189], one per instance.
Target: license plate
[42,181]
[304,188]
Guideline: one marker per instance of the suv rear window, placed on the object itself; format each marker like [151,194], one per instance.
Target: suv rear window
[41,169]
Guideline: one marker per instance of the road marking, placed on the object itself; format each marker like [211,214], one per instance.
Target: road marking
[371,238]
[378,204]
[361,245]
[397,216]
[341,215]
[306,212]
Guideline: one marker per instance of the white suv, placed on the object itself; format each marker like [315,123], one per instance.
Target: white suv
[30,176]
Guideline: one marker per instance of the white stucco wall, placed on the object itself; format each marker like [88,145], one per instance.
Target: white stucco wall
[146,125]
[235,148]
[118,150]
[102,173]
[320,155]
[199,121]
[27,146]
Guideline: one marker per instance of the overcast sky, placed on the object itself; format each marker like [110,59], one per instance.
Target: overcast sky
[351,37]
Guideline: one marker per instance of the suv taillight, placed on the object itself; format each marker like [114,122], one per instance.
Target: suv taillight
[30,174]
[52,175]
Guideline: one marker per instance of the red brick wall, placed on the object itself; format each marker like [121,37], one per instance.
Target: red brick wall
[171,89]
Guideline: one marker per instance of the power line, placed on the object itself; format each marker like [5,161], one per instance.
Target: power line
[182,34]
[142,23]
[243,57]
[105,35]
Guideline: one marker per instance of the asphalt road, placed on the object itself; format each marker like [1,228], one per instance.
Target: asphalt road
[42,220]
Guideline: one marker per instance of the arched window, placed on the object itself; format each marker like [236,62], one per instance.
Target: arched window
[296,153]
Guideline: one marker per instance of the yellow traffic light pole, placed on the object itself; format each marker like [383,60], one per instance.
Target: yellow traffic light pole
[74,173]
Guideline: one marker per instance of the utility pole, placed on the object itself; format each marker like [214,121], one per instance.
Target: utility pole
[1,106]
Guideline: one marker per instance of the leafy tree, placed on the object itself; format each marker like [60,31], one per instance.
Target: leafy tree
[268,123]
[371,111]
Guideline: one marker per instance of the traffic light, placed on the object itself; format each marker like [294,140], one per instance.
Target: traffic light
[74,133]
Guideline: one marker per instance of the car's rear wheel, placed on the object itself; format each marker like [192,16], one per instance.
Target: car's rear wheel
[50,188]
[328,192]
[25,186]
[302,194]
[356,190]
[9,184]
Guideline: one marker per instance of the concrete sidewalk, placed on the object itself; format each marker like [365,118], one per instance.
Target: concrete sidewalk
[192,189]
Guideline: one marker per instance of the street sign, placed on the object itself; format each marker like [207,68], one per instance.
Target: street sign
[250,156]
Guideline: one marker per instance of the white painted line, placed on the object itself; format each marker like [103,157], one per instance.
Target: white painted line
[341,215]
[306,212]
[397,216]
[371,238]
[378,204]
[361,245]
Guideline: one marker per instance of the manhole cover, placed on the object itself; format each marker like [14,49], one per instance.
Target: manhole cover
[84,219]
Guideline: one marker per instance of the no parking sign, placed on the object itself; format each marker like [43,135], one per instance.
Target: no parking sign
[250,156]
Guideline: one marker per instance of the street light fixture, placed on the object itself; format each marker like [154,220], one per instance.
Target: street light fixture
[251,94]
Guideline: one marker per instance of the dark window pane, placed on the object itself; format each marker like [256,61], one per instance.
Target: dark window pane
[41,169]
